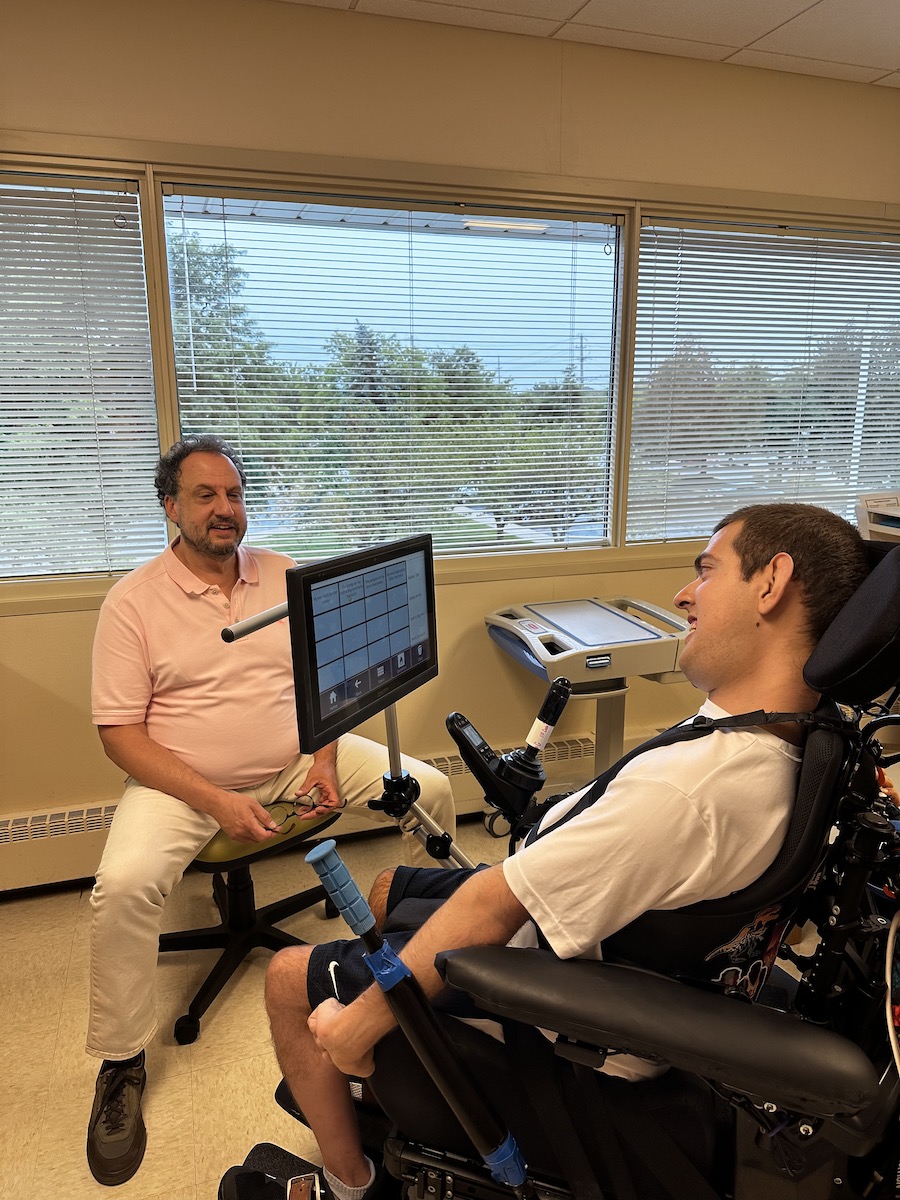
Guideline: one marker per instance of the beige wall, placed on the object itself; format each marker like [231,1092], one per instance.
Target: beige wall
[52,757]
[238,83]
[274,76]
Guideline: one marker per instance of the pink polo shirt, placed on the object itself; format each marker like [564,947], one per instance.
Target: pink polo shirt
[227,710]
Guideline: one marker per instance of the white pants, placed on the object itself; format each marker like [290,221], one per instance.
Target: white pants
[154,838]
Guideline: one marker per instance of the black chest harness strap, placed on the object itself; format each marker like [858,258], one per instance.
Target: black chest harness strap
[699,727]
[703,932]
[603,1115]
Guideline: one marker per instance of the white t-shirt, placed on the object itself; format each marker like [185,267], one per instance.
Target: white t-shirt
[692,821]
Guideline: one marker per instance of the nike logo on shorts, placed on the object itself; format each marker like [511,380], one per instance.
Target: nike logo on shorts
[332,967]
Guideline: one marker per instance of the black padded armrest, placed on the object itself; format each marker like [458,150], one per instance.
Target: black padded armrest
[768,1055]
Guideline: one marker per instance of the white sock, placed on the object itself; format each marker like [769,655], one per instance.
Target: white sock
[341,1191]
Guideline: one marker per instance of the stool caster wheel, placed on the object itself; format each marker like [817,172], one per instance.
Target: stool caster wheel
[187,1030]
[496,824]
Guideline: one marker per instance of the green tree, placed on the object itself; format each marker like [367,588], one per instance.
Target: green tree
[334,449]
[219,349]
[567,432]
[229,380]
[881,389]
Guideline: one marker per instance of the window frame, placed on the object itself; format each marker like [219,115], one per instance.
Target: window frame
[106,160]
[273,214]
[715,242]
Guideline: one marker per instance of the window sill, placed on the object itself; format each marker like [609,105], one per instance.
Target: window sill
[24,597]
[555,563]
[66,593]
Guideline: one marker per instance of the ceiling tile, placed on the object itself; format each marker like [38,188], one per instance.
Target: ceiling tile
[842,31]
[321,3]
[551,10]
[805,66]
[449,14]
[680,47]
[855,40]
[732,23]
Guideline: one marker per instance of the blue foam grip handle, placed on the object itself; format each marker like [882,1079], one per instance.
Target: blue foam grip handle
[506,1163]
[341,887]
[388,969]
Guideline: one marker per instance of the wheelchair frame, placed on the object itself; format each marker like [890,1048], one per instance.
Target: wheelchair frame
[802,1084]
[812,1119]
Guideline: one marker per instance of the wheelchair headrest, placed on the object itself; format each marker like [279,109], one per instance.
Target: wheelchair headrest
[858,657]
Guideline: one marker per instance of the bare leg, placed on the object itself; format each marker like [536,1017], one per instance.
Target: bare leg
[379,895]
[316,1084]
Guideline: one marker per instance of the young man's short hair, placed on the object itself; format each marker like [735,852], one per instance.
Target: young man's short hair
[829,555]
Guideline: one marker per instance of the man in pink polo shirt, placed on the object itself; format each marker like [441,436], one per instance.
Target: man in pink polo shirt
[206,733]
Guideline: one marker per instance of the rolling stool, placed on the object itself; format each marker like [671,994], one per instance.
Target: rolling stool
[243,927]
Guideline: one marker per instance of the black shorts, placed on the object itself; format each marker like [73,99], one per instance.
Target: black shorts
[337,970]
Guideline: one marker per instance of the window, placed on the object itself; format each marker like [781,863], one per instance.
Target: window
[78,416]
[387,368]
[386,371]
[767,367]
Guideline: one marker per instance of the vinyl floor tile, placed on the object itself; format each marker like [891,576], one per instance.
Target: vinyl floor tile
[19,1133]
[235,1111]
[40,917]
[207,1104]
[61,1164]
[26,1057]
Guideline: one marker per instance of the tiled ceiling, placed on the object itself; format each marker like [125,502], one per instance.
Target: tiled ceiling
[856,40]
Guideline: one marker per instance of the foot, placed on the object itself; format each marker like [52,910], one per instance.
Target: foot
[117,1137]
[382,1187]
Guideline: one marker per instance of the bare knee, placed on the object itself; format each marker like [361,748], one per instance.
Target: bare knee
[286,980]
[378,897]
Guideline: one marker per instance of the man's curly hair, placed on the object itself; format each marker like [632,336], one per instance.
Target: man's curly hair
[168,469]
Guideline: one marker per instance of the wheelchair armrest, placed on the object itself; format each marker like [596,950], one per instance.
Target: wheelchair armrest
[766,1054]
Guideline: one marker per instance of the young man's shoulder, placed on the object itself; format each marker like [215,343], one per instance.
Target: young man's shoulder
[719,755]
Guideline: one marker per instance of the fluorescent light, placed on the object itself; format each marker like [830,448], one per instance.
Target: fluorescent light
[508,226]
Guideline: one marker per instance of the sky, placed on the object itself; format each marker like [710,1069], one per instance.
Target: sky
[528,306]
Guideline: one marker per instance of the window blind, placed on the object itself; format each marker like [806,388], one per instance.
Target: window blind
[77,411]
[386,371]
[767,367]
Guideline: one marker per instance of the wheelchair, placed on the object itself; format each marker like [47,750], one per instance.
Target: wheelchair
[781,1078]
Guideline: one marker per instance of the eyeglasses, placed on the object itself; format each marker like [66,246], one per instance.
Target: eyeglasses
[281,813]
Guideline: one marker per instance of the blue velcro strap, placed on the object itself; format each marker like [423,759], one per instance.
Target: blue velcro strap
[387,968]
[506,1163]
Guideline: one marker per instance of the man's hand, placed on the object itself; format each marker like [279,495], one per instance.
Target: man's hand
[338,1040]
[131,748]
[243,818]
[483,912]
[322,777]
[887,786]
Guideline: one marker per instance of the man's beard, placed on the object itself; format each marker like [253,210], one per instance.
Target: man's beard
[204,544]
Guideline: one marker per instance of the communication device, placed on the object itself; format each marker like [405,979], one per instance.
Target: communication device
[363,635]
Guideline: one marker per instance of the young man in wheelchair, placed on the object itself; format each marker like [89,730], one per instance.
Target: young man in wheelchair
[680,823]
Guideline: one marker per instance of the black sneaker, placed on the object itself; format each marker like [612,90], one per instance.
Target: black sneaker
[117,1137]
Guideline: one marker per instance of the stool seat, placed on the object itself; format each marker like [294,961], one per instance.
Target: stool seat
[243,927]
